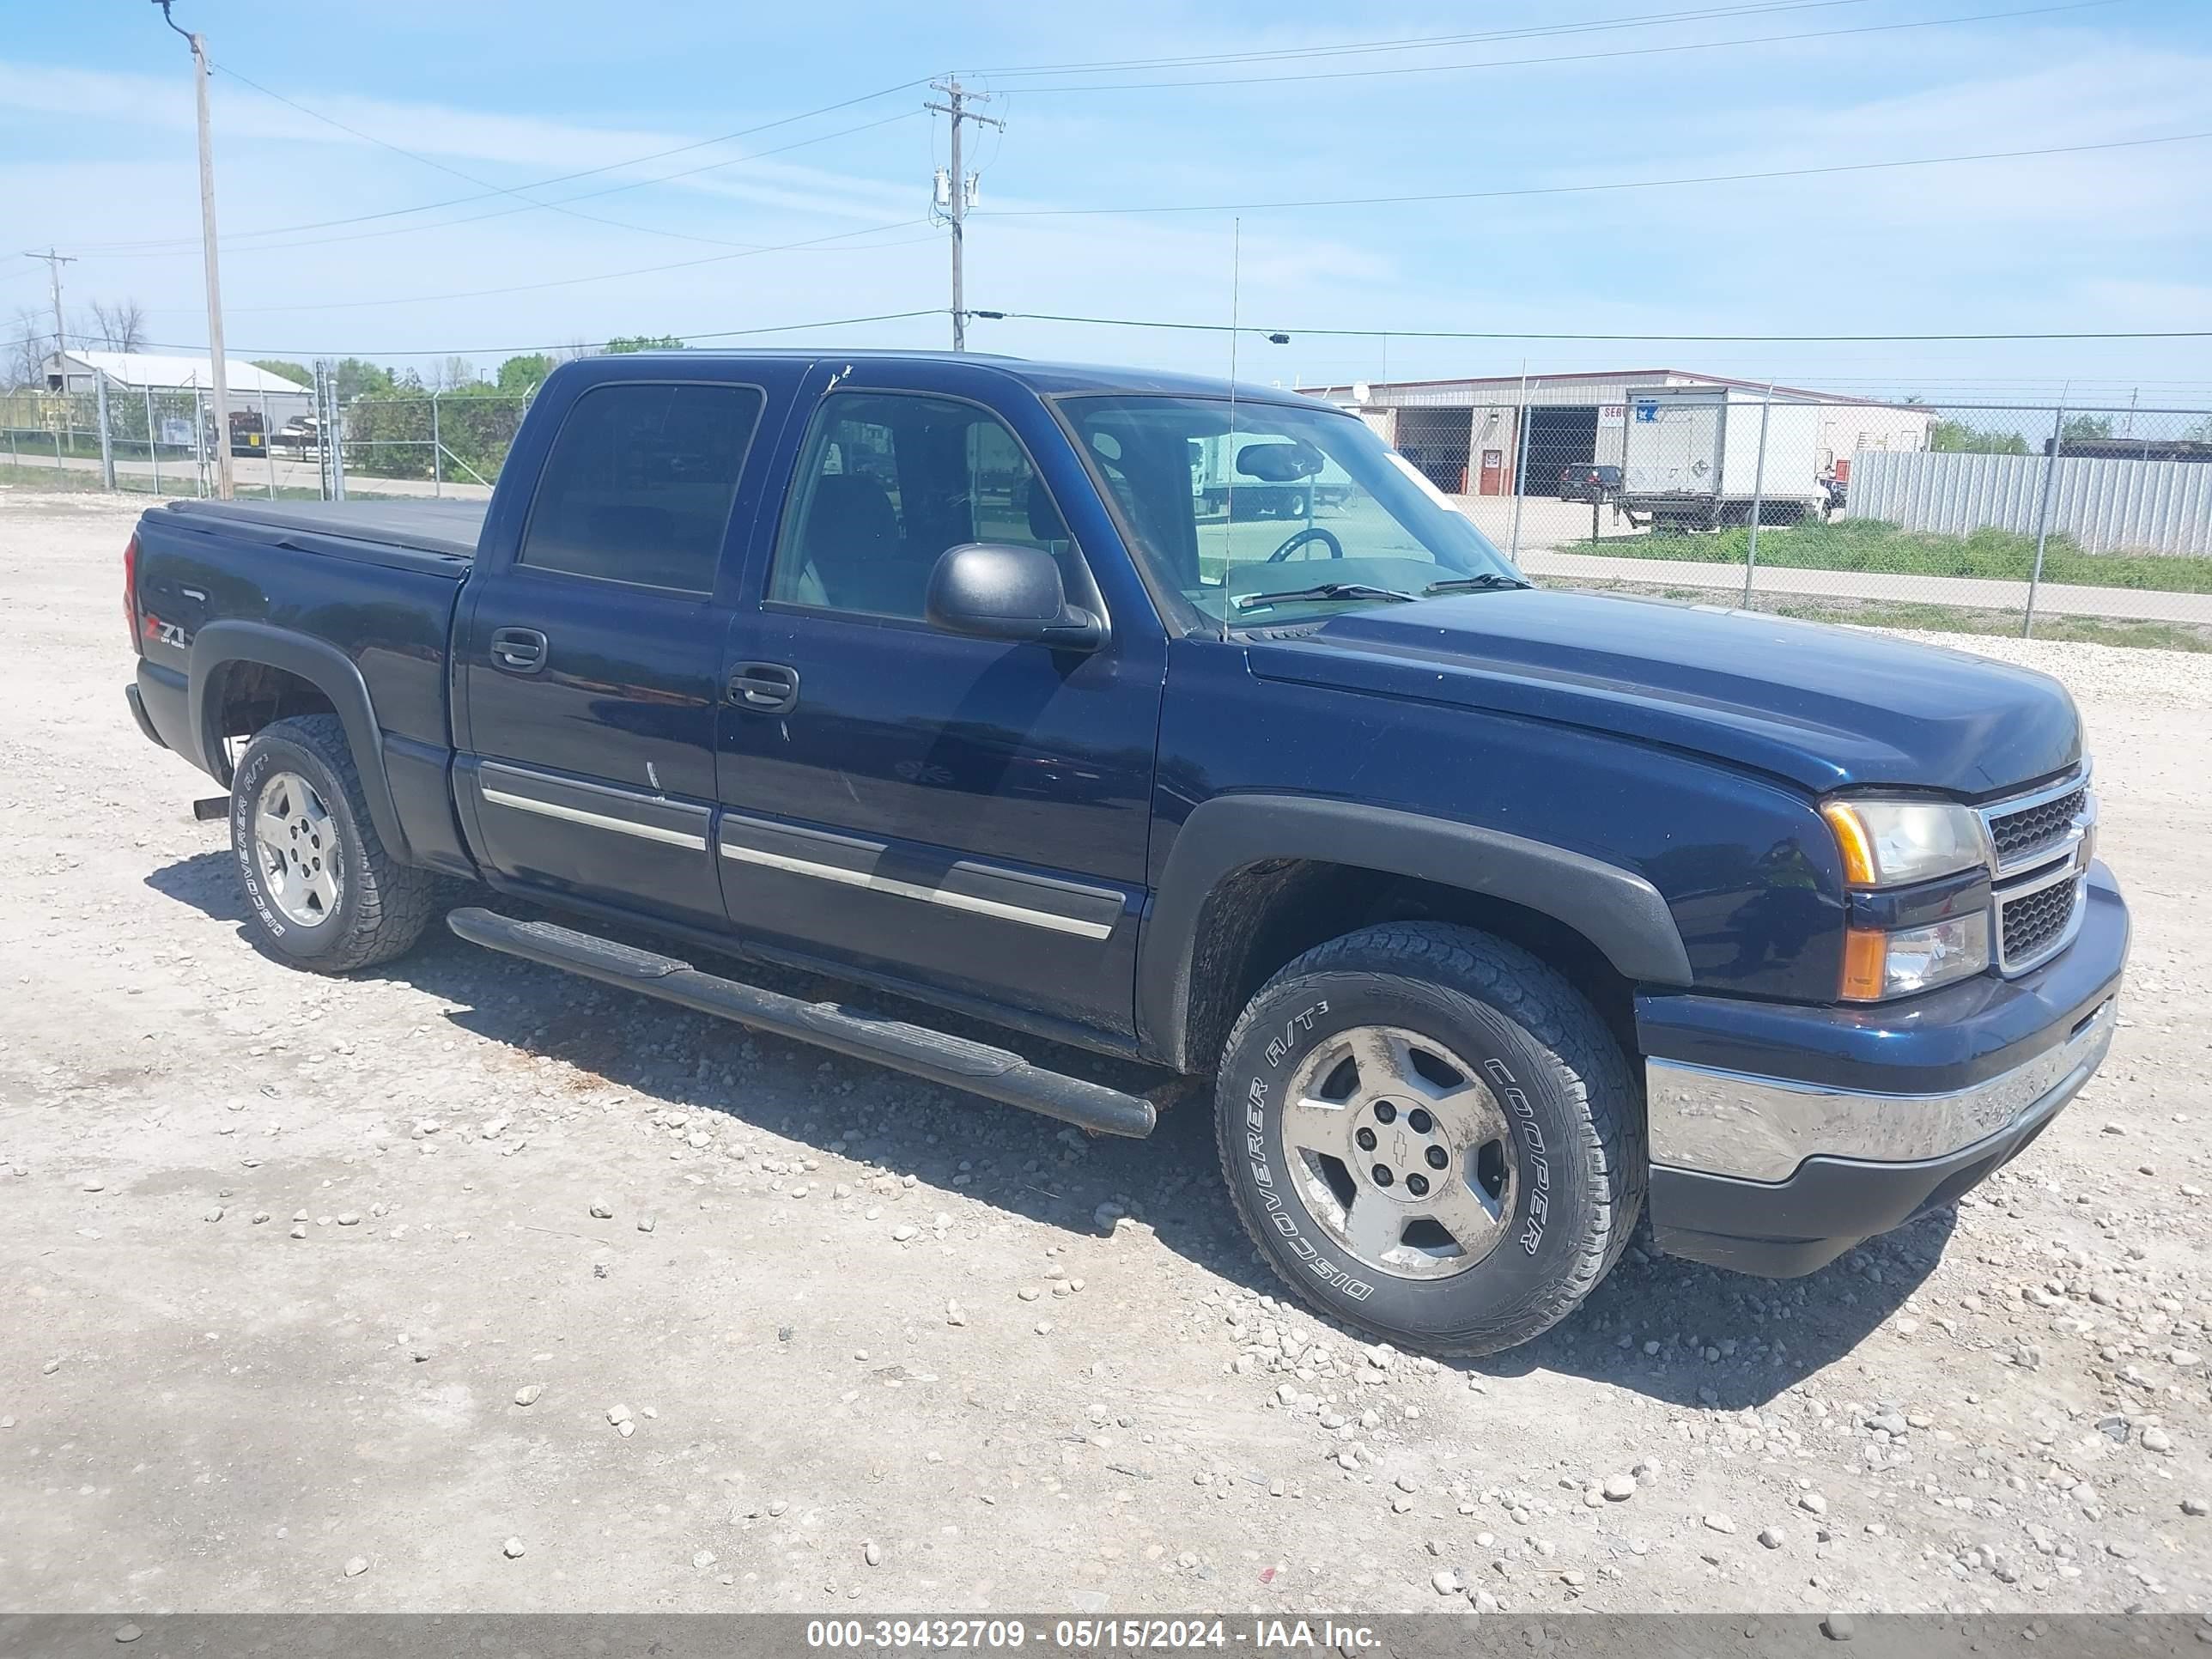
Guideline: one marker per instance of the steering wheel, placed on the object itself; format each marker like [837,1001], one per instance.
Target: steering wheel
[1312,533]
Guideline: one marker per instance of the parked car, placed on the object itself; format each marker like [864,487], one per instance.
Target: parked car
[1497,917]
[1587,482]
[299,434]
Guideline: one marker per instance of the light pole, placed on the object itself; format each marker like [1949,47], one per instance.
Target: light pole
[223,481]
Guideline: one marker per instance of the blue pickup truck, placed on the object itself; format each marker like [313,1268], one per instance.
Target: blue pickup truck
[1497,917]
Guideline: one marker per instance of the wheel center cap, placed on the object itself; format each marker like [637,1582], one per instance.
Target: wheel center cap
[1399,1149]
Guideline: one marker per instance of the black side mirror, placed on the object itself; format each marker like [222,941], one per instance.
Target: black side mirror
[999,591]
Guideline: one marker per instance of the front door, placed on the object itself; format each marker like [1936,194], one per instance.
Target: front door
[589,662]
[964,814]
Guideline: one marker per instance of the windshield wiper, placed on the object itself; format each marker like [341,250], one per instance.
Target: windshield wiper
[1325,591]
[1483,583]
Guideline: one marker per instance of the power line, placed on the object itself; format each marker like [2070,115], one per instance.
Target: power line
[585,196]
[1573,57]
[560,345]
[54,264]
[1419,43]
[572,281]
[530,203]
[1647,339]
[1583,189]
[557,178]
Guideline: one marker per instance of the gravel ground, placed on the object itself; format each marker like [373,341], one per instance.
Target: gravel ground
[465,1285]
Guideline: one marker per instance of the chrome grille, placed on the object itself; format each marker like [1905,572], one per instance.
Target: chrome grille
[2020,835]
[2038,869]
[2031,924]
[2031,829]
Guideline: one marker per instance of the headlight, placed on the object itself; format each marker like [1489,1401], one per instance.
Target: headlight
[1891,843]
[1877,965]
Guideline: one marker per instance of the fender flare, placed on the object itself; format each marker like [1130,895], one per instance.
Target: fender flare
[330,671]
[1618,910]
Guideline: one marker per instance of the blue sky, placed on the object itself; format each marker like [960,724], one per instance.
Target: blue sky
[96,157]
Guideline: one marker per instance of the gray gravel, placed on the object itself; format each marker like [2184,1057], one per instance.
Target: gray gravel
[1985,1411]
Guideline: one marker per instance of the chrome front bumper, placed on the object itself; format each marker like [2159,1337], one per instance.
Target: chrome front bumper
[1763,1128]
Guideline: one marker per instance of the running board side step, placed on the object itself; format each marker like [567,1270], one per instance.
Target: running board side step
[956,1063]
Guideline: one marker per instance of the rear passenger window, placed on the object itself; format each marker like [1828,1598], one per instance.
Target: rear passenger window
[639,484]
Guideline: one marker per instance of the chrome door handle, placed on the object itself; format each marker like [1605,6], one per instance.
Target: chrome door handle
[518,650]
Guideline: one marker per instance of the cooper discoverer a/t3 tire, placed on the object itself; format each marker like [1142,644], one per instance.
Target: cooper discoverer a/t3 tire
[326,894]
[1431,1136]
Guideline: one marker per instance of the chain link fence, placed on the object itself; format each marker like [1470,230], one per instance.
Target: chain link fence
[2090,523]
[2087,523]
[309,446]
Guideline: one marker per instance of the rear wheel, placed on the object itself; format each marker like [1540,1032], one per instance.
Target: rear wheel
[326,894]
[1431,1136]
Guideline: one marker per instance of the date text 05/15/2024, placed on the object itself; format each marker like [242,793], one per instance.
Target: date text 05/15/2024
[1091,1635]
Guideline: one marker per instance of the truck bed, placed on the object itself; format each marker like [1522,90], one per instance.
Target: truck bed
[445,527]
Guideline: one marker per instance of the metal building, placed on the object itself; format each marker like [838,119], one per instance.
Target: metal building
[75,370]
[1470,436]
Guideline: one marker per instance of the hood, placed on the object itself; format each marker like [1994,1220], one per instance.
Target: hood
[1822,706]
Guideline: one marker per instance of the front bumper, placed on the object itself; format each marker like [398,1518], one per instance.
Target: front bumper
[1856,1120]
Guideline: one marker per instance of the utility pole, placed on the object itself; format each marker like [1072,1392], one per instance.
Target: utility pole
[224,483]
[54,264]
[956,191]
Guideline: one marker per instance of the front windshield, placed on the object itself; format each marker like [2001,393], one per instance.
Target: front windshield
[1250,522]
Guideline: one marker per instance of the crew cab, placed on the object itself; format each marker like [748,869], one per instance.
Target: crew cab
[1496,916]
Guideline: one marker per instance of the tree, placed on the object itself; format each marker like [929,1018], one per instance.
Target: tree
[298,374]
[119,325]
[627,343]
[456,371]
[356,378]
[388,431]
[29,345]
[525,374]
[1959,435]
[2077,427]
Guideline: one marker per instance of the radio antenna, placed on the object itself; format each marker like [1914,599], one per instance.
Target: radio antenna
[1228,443]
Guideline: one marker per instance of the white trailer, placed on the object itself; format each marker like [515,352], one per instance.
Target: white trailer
[1215,478]
[1691,459]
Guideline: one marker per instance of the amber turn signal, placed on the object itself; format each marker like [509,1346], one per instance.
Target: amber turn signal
[1852,842]
[1866,956]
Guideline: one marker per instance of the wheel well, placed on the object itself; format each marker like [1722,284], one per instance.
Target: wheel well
[252,695]
[1266,915]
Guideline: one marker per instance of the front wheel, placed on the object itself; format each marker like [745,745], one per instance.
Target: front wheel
[1431,1136]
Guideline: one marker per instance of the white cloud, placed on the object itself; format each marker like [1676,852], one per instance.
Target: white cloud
[2100,240]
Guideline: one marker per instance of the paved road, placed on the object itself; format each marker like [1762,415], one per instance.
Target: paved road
[2054,598]
[1550,531]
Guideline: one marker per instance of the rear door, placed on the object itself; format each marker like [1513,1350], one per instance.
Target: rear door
[968,815]
[589,658]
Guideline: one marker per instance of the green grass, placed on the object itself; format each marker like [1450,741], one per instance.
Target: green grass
[1868,544]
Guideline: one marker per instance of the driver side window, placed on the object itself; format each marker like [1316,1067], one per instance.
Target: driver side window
[886,485]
